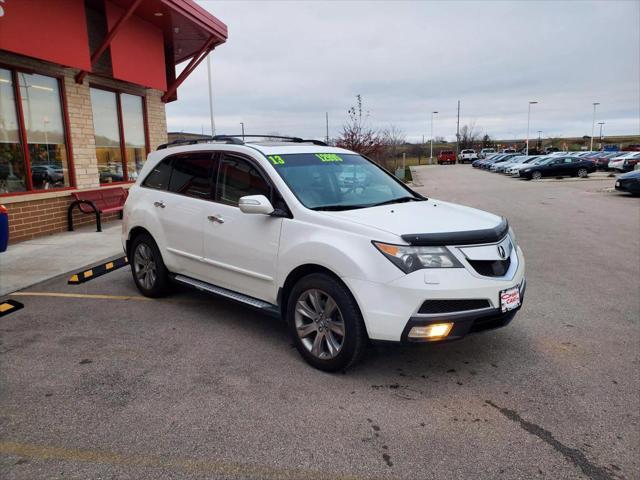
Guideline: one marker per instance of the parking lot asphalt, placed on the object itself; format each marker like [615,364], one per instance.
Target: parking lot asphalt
[98,382]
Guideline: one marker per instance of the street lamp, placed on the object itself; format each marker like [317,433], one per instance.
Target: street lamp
[601,124]
[593,124]
[528,124]
[242,124]
[539,146]
[431,154]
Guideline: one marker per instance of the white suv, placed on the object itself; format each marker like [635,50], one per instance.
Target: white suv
[325,239]
[468,156]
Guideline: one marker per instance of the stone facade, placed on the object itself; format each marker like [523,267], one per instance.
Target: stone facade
[39,213]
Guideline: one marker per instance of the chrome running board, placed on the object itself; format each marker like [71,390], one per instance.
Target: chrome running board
[230,294]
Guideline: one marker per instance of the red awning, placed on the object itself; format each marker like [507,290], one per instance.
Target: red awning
[148,38]
[186,25]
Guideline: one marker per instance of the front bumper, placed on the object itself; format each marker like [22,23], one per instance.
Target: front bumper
[389,308]
[464,323]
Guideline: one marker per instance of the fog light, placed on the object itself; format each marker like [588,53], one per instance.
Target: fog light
[434,331]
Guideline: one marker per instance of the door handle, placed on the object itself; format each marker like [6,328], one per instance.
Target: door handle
[159,204]
[215,218]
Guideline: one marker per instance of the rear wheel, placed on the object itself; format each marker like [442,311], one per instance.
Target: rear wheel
[325,323]
[149,272]
[583,173]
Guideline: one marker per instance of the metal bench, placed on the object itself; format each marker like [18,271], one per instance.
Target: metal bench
[108,200]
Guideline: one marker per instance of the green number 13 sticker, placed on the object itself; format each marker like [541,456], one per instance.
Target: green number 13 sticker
[276,159]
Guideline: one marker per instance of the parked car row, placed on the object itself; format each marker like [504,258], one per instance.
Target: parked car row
[533,167]
[562,164]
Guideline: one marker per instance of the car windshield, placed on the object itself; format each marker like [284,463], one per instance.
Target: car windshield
[339,181]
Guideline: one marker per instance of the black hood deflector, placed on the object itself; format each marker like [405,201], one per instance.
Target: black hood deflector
[470,237]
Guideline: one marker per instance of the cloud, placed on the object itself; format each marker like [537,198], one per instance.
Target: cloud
[287,63]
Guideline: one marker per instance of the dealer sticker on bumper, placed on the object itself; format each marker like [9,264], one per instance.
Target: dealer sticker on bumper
[510,299]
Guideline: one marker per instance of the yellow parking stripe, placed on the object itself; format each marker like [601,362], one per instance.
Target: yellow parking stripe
[5,307]
[81,295]
[190,465]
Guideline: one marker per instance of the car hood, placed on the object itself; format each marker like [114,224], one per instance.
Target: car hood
[430,216]
[632,174]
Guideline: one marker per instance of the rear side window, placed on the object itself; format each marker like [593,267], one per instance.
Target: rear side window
[192,175]
[159,176]
[237,178]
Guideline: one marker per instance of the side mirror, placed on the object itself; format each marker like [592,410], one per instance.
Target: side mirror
[255,204]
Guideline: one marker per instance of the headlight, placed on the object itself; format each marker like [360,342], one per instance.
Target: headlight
[527,170]
[409,259]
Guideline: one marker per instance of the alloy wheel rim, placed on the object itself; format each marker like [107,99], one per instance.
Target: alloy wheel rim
[582,173]
[536,175]
[319,324]
[145,266]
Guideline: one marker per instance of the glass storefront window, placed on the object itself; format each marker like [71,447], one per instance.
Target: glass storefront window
[107,134]
[108,119]
[39,148]
[133,127]
[12,166]
[44,128]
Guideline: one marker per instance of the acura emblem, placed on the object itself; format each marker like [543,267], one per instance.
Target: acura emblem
[502,252]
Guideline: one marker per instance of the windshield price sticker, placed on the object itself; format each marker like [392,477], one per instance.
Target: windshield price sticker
[276,159]
[329,157]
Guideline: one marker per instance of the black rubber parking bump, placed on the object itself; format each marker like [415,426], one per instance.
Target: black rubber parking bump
[9,306]
[91,273]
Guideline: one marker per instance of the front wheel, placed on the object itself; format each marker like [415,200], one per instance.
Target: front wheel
[149,272]
[582,173]
[536,176]
[325,323]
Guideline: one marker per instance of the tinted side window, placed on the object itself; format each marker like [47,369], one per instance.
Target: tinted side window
[192,175]
[237,178]
[159,176]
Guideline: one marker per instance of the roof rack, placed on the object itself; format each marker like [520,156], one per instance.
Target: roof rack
[236,140]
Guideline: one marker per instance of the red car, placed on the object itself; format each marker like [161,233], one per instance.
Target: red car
[446,157]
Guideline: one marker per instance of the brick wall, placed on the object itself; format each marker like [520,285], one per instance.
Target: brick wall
[34,217]
[156,119]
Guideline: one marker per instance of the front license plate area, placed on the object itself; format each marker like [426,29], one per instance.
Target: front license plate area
[509,299]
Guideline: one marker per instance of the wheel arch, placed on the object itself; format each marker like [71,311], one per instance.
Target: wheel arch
[302,271]
[133,233]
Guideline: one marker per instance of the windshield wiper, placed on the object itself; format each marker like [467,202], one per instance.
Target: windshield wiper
[338,208]
[397,200]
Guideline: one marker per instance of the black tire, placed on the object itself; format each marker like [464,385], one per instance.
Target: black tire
[158,286]
[354,340]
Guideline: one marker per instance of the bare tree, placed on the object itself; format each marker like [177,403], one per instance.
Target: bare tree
[468,135]
[357,135]
[393,138]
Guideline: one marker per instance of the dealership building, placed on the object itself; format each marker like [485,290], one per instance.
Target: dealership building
[83,88]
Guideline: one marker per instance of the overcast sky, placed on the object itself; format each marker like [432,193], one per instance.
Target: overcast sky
[287,63]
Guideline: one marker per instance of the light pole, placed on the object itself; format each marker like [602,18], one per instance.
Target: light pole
[539,146]
[242,124]
[213,123]
[431,154]
[528,124]
[601,124]
[593,124]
